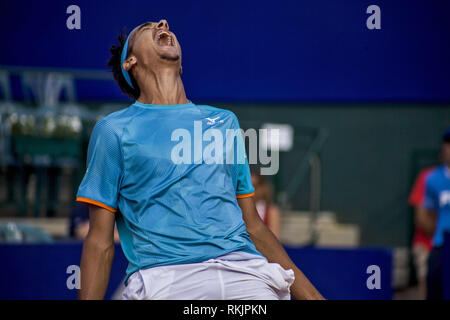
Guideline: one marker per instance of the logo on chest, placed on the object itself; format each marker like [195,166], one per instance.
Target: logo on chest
[212,121]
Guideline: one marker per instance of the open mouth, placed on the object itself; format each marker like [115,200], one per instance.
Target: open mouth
[164,39]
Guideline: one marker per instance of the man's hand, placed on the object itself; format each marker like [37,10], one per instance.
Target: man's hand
[266,243]
[426,220]
[98,254]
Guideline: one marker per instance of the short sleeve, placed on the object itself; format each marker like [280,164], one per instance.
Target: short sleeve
[417,195]
[431,201]
[244,187]
[101,182]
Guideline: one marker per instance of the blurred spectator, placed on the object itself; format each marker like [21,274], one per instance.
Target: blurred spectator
[421,244]
[436,221]
[79,222]
[267,210]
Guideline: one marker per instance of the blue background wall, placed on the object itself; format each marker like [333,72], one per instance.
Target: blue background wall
[39,271]
[257,50]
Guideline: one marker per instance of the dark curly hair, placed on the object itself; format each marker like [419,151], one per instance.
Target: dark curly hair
[114,64]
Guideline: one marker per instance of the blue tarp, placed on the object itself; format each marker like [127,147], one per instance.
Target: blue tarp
[39,271]
[256,50]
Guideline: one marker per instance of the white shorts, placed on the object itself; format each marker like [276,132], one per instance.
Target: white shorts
[235,276]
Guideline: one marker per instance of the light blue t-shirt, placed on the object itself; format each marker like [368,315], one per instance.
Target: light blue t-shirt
[437,198]
[172,174]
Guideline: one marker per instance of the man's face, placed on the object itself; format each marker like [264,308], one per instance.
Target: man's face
[445,152]
[153,44]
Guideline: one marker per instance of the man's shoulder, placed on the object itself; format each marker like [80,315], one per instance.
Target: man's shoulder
[111,125]
[213,109]
[424,174]
[435,176]
[118,116]
[221,115]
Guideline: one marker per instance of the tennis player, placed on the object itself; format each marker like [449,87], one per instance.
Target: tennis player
[189,229]
[436,220]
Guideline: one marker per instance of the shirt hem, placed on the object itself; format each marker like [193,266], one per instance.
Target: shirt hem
[246,195]
[96,203]
[188,261]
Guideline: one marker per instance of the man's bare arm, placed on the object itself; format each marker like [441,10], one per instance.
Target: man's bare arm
[266,243]
[426,220]
[98,254]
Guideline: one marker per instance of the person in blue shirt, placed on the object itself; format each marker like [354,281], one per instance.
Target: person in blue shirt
[175,178]
[437,206]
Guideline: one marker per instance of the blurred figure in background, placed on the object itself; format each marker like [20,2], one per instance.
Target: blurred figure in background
[421,244]
[436,221]
[267,210]
[79,222]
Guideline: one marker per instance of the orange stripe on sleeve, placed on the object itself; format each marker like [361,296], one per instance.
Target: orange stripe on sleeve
[99,204]
[239,196]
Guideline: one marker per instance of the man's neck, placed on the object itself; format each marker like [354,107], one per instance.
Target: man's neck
[163,87]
